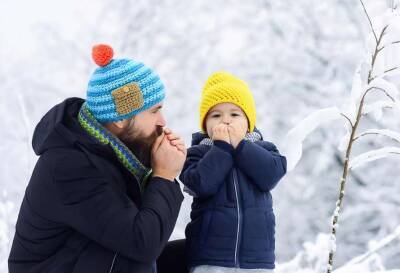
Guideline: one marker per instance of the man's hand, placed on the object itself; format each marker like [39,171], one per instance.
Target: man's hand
[175,140]
[236,133]
[220,132]
[168,156]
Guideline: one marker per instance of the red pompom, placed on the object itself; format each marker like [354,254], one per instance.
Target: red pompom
[102,54]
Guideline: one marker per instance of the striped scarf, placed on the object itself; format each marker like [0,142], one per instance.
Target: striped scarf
[105,137]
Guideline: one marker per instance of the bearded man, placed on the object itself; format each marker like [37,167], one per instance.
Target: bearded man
[103,195]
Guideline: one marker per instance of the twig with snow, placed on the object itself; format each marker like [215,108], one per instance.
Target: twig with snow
[377,246]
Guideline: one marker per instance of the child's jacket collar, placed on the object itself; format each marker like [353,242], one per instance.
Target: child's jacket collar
[202,138]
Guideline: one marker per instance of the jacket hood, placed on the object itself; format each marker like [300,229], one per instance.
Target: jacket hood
[60,128]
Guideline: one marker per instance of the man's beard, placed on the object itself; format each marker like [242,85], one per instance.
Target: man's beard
[139,144]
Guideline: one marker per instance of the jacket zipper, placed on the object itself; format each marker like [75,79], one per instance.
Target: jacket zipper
[237,264]
[112,264]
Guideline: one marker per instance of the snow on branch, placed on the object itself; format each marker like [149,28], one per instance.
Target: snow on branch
[376,247]
[293,143]
[381,132]
[373,155]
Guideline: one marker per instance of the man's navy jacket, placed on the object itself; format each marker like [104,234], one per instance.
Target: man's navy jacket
[83,211]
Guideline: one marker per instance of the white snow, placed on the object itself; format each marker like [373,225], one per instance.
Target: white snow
[336,212]
[376,108]
[313,257]
[293,144]
[332,244]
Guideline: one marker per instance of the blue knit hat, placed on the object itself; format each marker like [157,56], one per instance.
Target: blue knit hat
[121,88]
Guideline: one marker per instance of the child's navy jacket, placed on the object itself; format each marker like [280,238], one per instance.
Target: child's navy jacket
[232,220]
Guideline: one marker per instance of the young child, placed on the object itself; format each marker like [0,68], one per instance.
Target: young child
[230,172]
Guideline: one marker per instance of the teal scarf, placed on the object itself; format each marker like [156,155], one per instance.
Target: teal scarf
[105,137]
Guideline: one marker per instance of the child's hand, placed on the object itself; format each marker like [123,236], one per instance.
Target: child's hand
[220,132]
[236,133]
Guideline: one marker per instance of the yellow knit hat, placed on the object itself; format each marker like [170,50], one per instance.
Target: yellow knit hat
[223,87]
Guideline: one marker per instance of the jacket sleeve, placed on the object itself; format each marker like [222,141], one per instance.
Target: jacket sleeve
[203,175]
[262,162]
[91,206]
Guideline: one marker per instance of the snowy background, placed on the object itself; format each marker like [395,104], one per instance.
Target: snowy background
[297,56]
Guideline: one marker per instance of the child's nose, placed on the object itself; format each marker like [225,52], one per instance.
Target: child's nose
[226,120]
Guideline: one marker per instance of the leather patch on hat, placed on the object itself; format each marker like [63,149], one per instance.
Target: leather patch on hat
[127,98]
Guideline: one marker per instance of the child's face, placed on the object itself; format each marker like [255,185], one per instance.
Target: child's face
[226,113]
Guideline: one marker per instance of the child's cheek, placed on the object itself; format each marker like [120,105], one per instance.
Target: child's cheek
[245,125]
[209,129]
[242,125]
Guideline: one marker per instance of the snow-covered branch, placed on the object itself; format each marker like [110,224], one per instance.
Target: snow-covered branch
[389,89]
[376,247]
[369,20]
[380,132]
[293,143]
[373,155]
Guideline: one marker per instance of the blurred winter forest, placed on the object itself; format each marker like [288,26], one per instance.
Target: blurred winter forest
[297,56]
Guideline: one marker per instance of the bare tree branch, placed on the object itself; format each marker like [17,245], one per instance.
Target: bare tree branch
[370,22]
[381,89]
[346,117]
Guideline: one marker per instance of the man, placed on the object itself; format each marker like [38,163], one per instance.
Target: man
[103,195]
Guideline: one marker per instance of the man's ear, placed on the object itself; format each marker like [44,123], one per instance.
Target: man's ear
[117,127]
[121,124]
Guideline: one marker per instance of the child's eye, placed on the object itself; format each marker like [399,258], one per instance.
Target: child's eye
[235,115]
[215,116]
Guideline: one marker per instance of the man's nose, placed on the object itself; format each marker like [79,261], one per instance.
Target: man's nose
[161,121]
